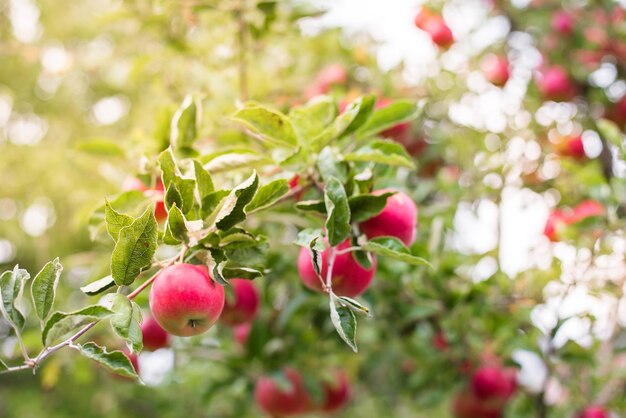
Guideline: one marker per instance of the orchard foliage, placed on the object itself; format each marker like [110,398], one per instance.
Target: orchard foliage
[281,227]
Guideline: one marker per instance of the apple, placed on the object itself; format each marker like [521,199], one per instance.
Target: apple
[439,341]
[157,194]
[336,394]
[154,336]
[241,332]
[466,405]
[587,209]
[493,383]
[276,400]
[496,69]
[593,412]
[397,219]
[562,23]
[244,305]
[557,221]
[349,278]
[555,84]
[185,301]
[434,25]
[572,147]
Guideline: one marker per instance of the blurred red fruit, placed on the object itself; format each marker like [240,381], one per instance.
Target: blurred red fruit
[278,401]
[572,147]
[562,22]
[439,341]
[466,405]
[494,384]
[157,195]
[496,69]
[337,394]
[154,336]
[242,332]
[434,25]
[557,220]
[398,219]
[556,84]
[329,76]
[244,304]
[593,412]
[587,209]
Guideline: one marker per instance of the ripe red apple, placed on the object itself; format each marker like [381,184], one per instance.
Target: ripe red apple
[433,24]
[398,219]
[493,383]
[557,221]
[562,23]
[154,336]
[496,69]
[466,405]
[278,401]
[336,394]
[349,278]
[157,194]
[593,412]
[572,147]
[242,332]
[556,84]
[244,305]
[185,301]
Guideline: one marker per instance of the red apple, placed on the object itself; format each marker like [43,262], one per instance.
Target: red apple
[279,401]
[593,412]
[154,336]
[466,405]
[562,23]
[439,341]
[336,394]
[398,219]
[556,84]
[242,332]
[572,147]
[494,384]
[496,69]
[349,278]
[433,24]
[244,305]
[587,209]
[185,301]
[557,221]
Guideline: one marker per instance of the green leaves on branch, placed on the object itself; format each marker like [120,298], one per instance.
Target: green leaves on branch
[98,286]
[312,239]
[382,152]
[366,206]
[345,323]
[11,290]
[43,288]
[135,248]
[176,227]
[268,125]
[390,116]
[126,321]
[116,361]
[393,248]
[268,194]
[338,212]
[61,324]
[185,123]
[231,210]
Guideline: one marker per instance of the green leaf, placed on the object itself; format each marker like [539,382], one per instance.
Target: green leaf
[267,124]
[204,182]
[44,286]
[312,206]
[268,194]
[98,286]
[185,122]
[116,361]
[212,201]
[60,324]
[168,166]
[215,261]
[3,366]
[312,118]
[135,248]
[330,166]
[390,116]
[176,227]
[338,219]
[611,132]
[171,174]
[127,202]
[310,238]
[355,305]
[126,322]
[232,210]
[241,273]
[345,323]
[11,291]
[366,206]
[393,248]
[173,197]
[236,160]
[382,152]
[101,147]
[115,220]
[363,106]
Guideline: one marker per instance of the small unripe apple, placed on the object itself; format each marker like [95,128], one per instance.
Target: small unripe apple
[493,383]
[336,394]
[466,405]
[496,69]
[349,278]
[241,332]
[244,304]
[562,23]
[593,412]
[572,147]
[154,336]
[557,221]
[398,219]
[185,301]
[556,84]
[279,401]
